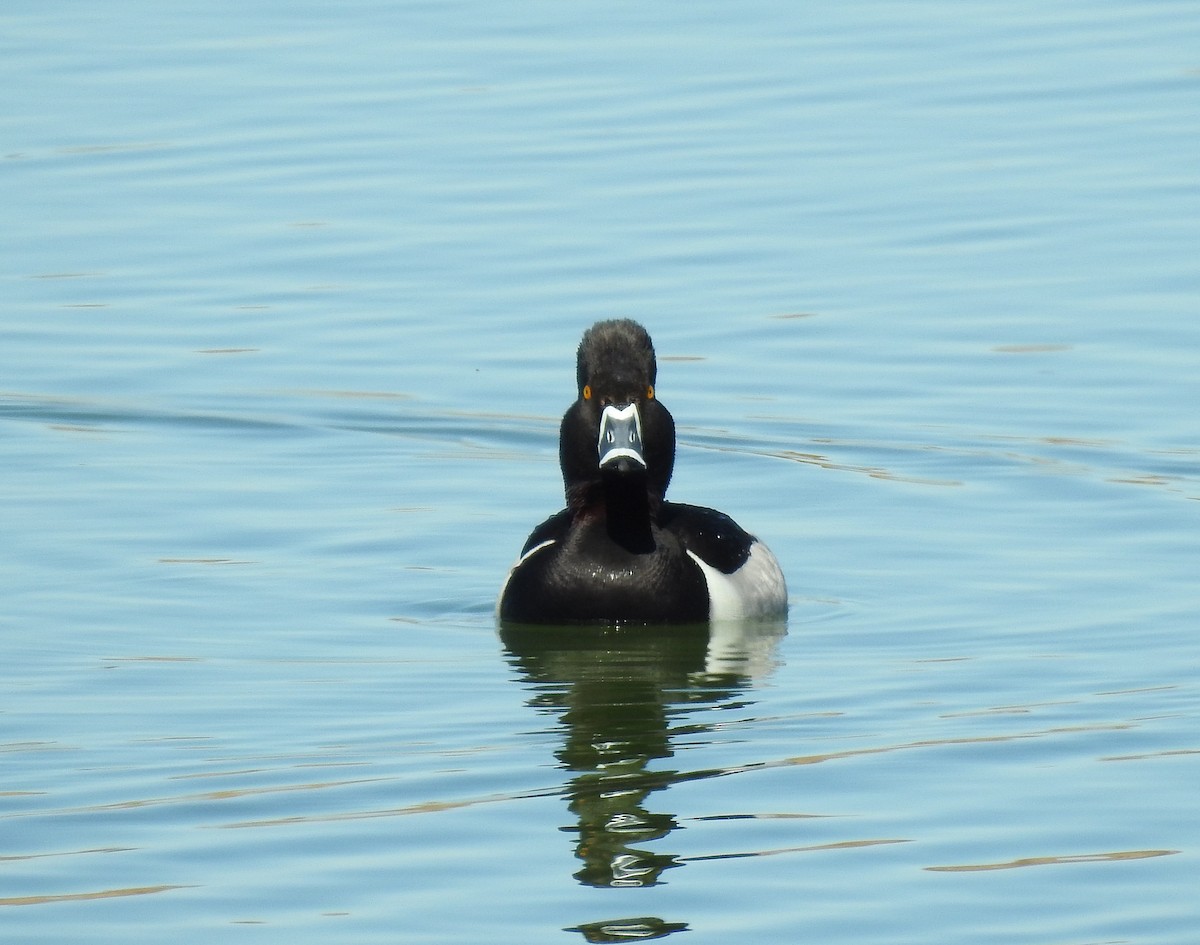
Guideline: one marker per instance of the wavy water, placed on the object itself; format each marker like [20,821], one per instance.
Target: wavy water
[291,301]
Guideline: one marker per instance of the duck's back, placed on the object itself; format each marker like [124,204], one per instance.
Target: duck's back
[743,580]
[712,536]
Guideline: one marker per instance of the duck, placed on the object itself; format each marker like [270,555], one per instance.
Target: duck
[620,552]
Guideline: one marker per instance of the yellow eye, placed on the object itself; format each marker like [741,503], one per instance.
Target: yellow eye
[650,392]
[587,391]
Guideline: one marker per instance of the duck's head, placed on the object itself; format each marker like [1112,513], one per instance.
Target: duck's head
[616,430]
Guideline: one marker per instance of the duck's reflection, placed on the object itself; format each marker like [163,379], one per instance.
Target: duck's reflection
[624,699]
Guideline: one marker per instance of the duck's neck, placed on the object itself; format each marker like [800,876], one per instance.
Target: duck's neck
[629,511]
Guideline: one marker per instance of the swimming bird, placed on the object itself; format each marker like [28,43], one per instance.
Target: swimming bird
[620,552]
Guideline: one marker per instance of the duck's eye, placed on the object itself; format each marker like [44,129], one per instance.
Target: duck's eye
[587,391]
[650,392]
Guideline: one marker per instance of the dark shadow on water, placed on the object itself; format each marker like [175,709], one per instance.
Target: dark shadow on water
[641,928]
[623,700]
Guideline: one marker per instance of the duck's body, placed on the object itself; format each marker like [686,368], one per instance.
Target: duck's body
[620,553]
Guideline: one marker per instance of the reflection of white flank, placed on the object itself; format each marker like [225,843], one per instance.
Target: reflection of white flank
[748,648]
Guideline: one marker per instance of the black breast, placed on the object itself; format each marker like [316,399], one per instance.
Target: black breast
[584,577]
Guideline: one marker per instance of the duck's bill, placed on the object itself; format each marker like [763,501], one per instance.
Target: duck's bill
[620,443]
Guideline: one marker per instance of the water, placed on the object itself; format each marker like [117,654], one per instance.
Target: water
[290,302]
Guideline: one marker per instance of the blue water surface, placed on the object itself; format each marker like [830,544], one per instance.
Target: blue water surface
[291,294]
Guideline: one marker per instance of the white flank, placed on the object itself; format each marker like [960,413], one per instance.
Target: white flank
[755,590]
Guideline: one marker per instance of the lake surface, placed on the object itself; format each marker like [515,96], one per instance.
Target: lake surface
[291,294]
